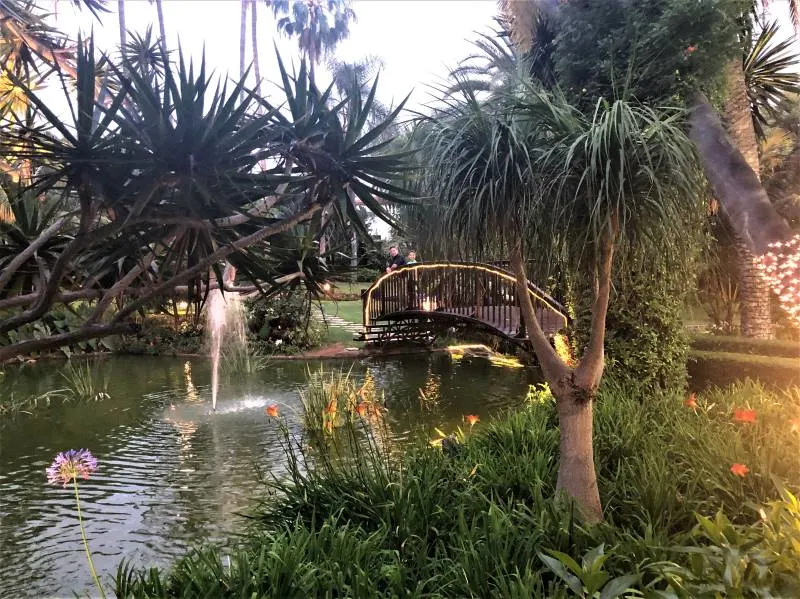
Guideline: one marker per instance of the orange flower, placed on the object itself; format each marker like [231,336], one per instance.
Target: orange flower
[795,424]
[361,409]
[472,419]
[748,416]
[271,410]
[331,407]
[691,401]
[740,470]
[329,426]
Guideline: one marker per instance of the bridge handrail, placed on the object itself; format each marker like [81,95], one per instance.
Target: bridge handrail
[534,290]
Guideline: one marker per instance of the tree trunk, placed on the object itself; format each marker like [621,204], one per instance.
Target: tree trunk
[736,186]
[162,29]
[254,41]
[754,298]
[123,32]
[576,472]
[354,254]
[242,40]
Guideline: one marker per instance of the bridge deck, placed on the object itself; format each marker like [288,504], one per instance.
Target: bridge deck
[412,302]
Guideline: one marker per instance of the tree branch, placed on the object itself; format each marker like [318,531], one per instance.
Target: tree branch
[590,368]
[218,255]
[553,367]
[29,251]
[91,332]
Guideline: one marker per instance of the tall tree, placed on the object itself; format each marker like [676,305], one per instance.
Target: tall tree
[163,188]
[318,25]
[527,169]
[243,4]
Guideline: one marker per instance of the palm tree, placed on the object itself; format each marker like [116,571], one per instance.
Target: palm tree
[526,170]
[319,25]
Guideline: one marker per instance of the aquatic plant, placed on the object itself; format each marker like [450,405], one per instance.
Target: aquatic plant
[66,468]
[81,383]
[331,399]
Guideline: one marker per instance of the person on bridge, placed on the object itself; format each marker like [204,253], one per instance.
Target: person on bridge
[411,258]
[395,260]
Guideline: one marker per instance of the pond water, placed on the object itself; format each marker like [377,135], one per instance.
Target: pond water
[172,474]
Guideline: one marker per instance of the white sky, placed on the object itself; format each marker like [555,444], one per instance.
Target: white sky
[417,39]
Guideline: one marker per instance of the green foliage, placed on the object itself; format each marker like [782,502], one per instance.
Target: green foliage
[158,337]
[771,77]
[646,343]
[167,176]
[283,322]
[588,579]
[755,560]
[746,345]
[479,520]
[654,51]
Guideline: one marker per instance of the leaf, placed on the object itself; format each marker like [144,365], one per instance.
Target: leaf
[618,586]
[555,566]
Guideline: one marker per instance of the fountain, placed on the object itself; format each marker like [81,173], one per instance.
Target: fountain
[225,321]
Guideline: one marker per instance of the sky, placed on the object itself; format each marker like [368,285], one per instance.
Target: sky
[416,39]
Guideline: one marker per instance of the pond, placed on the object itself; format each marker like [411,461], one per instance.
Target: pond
[171,473]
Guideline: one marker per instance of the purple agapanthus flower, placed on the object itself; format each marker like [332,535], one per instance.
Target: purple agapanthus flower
[71,464]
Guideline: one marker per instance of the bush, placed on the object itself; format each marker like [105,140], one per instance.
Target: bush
[368,275]
[746,345]
[158,336]
[478,519]
[283,323]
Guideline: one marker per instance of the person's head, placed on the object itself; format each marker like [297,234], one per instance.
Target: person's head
[393,251]
[412,255]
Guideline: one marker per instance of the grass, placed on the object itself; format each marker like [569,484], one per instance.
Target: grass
[479,519]
[350,311]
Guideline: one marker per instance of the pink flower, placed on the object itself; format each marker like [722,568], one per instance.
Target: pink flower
[71,464]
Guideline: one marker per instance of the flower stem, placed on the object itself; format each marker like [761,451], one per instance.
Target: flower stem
[85,542]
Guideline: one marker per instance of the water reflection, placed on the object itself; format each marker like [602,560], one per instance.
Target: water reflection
[170,472]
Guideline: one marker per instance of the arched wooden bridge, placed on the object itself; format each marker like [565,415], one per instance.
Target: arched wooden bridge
[415,302]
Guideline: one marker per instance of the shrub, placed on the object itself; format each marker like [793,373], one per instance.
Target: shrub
[284,322]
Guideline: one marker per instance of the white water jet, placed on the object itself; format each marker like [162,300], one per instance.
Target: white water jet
[225,321]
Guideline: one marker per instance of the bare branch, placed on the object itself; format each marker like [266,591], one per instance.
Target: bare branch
[29,251]
[91,332]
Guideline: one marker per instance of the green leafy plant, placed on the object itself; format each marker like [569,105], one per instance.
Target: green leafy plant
[588,579]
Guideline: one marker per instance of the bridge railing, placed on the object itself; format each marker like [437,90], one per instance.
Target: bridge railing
[467,290]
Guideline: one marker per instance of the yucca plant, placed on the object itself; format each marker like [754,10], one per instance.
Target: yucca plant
[169,179]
